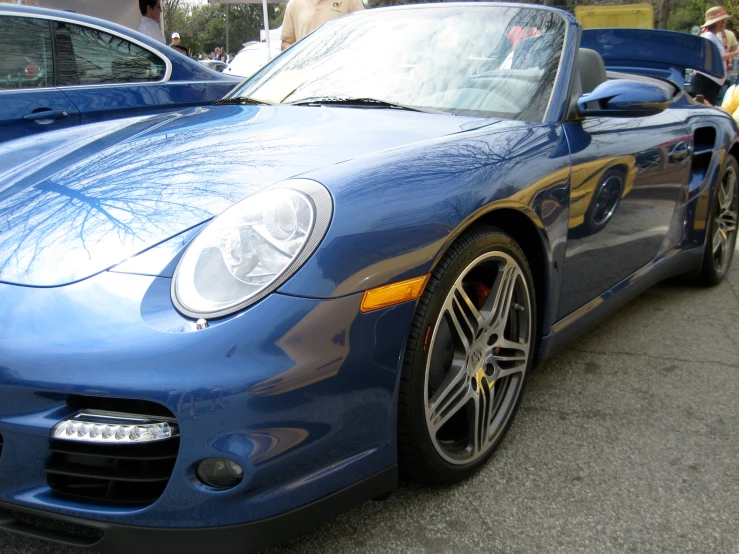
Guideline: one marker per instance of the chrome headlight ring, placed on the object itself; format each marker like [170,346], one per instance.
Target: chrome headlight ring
[250,249]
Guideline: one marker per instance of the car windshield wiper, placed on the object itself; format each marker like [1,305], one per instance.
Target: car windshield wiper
[241,101]
[362,102]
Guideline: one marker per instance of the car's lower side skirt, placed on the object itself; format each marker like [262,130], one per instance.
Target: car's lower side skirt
[248,537]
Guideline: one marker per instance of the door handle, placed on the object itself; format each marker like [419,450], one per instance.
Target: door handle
[680,155]
[681,152]
[44,117]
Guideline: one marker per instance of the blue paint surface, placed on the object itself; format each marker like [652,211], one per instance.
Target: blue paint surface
[301,388]
[189,84]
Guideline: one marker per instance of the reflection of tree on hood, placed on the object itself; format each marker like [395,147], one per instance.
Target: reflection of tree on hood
[119,200]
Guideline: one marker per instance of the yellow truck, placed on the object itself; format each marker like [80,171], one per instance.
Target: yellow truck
[635,16]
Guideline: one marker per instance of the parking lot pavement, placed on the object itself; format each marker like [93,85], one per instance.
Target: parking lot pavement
[626,441]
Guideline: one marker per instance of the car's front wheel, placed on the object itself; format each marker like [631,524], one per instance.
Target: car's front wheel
[467,359]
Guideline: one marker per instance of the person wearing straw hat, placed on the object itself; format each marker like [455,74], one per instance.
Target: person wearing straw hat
[707,85]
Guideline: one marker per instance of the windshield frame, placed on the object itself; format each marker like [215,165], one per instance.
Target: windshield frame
[555,92]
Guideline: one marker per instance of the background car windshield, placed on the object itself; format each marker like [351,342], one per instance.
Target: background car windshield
[484,61]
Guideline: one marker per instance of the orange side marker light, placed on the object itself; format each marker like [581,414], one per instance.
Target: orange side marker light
[394,293]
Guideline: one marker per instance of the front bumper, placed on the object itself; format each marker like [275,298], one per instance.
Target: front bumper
[243,538]
[300,392]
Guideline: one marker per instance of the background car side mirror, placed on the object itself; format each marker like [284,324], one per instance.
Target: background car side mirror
[624,98]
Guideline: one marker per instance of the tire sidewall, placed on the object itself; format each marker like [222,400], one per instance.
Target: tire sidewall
[444,278]
[709,274]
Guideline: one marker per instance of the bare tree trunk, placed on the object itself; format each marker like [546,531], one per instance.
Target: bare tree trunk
[170,8]
[664,12]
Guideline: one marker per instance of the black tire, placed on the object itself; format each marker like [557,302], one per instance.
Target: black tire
[722,220]
[606,198]
[442,460]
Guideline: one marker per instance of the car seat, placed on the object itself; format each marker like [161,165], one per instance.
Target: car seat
[590,71]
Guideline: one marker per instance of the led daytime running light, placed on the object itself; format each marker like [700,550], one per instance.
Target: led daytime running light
[114,428]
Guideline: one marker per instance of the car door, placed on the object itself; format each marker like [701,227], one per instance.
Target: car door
[29,101]
[108,76]
[627,174]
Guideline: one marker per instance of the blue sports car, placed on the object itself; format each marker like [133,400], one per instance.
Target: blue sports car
[222,325]
[59,70]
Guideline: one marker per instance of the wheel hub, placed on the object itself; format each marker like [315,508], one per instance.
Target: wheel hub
[487,318]
[475,359]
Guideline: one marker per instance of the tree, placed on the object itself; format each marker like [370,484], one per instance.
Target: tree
[203,26]
[685,14]
[171,10]
[664,12]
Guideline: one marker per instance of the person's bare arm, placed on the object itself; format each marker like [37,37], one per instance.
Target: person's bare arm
[355,5]
[288,28]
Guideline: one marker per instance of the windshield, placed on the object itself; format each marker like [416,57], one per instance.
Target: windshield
[472,60]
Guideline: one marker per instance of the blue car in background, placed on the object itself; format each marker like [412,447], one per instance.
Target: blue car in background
[409,209]
[59,69]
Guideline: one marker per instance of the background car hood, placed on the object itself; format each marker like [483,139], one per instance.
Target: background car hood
[76,202]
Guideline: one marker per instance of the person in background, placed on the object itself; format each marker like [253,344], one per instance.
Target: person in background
[216,54]
[730,102]
[304,16]
[708,85]
[729,39]
[223,57]
[176,44]
[151,11]
[515,36]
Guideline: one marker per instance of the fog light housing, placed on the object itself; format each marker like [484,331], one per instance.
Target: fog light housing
[220,473]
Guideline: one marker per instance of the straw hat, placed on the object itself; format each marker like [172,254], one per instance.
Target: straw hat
[714,15]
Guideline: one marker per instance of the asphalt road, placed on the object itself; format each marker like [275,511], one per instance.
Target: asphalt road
[628,441]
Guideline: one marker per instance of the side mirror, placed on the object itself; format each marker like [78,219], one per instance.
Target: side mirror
[624,98]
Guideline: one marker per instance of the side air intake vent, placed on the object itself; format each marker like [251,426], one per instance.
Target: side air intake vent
[30,524]
[129,473]
[1,446]
[113,457]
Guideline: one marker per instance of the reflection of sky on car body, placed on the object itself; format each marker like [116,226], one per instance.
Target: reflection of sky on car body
[136,186]
[413,58]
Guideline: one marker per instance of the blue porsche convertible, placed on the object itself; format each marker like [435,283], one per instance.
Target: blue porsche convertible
[409,209]
[60,69]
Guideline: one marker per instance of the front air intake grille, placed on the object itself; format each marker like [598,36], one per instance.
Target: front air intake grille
[130,473]
[44,527]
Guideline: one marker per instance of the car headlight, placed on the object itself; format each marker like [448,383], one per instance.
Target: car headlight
[251,249]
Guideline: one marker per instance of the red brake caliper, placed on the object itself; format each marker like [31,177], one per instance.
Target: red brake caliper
[481,295]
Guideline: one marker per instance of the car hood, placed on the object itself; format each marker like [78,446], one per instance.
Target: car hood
[76,202]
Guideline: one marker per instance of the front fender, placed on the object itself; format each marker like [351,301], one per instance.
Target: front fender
[396,212]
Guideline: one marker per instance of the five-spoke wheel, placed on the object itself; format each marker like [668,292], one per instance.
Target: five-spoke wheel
[724,220]
[721,236]
[468,357]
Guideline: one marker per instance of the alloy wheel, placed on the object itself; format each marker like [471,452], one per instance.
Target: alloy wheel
[725,220]
[609,195]
[479,354]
